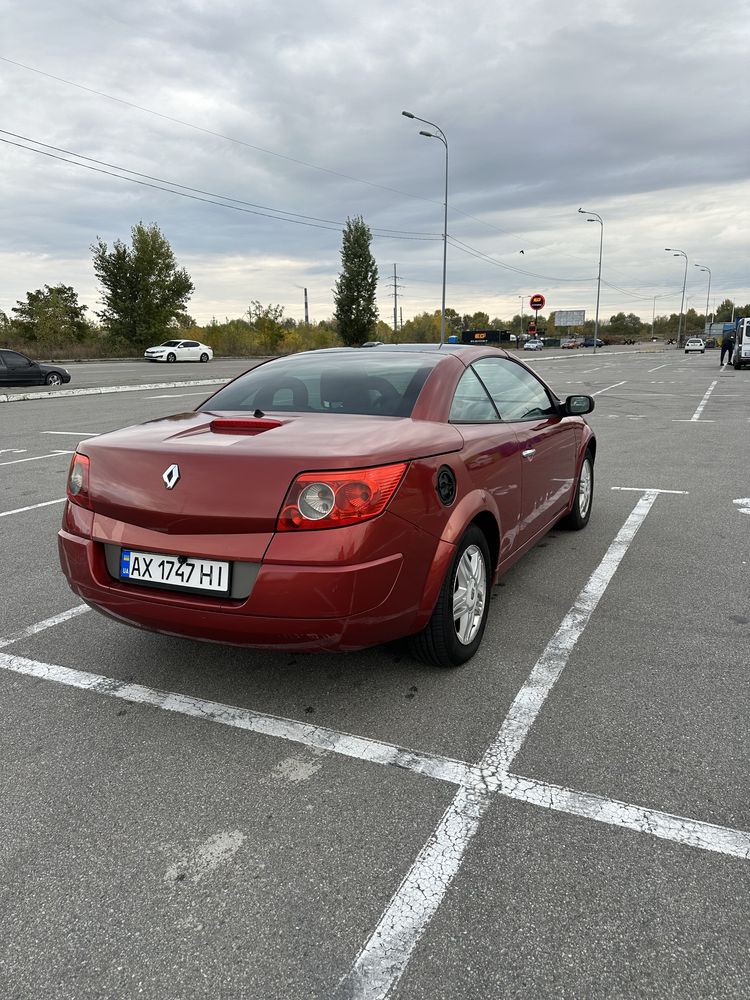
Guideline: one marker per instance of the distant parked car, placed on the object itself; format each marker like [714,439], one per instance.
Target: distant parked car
[710,342]
[570,343]
[589,342]
[695,346]
[179,350]
[533,345]
[17,369]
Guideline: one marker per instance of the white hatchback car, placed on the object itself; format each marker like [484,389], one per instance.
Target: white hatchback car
[695,344]
[179,350]
[533,345]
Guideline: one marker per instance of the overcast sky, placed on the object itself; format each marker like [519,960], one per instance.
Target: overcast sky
[635,109]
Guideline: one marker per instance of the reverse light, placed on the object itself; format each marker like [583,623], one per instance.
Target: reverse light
[335,499]
[78,481]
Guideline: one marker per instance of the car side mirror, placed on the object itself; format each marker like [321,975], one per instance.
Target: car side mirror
[576,406]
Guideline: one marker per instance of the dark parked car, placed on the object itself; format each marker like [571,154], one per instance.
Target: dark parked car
[17,369]
[331,500]
[589,342]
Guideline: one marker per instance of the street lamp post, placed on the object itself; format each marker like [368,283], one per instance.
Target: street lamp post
[701,267]
[441,136]
[520,333]
[596,218]
[680,253]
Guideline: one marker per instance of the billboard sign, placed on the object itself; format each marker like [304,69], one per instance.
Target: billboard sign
[536,302]
[570,317]
[482,337]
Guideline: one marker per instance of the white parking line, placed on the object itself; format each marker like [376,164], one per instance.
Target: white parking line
[382,960]
[657,368]
[103,390]
[33,506]
[643,489]
[608,387]
[77,433]
[176,395]
[35,629]
[474,780]
[680,829]
[318,737]
[38,458]
[701,405]
[386,954]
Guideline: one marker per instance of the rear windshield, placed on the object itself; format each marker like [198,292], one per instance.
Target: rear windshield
[361,382]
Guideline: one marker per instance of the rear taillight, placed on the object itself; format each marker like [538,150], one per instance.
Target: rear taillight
[78,481]
[335,499]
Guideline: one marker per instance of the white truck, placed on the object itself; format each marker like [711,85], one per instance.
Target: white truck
[741,353]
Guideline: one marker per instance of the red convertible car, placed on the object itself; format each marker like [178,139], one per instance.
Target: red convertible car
[331,500]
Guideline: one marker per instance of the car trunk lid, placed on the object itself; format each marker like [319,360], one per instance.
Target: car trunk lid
[228,472]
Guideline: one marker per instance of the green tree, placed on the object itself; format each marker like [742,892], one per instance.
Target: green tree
[724,312]
[475,321]
[356,310]
[622,325]
[421,329]
[145,294]
[268,324]
[51,315]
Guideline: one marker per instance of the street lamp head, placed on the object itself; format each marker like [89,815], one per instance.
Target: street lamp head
[407,114]
[592,220]
[581,210]
[667,249]
[428,134]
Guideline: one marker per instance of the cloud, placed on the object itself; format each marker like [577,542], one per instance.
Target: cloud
[629,108]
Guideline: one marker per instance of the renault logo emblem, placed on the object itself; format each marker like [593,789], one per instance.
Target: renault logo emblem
[170,476]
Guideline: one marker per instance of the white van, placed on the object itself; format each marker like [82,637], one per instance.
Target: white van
[741,354]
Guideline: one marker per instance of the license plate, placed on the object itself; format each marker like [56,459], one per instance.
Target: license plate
[180,572]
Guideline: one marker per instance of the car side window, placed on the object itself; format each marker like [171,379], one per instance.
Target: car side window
[515,391]
[471,404]
[13,360]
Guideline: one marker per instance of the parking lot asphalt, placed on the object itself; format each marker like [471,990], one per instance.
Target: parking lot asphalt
[565,816]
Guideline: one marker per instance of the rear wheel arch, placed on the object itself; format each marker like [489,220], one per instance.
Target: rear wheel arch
[489,527]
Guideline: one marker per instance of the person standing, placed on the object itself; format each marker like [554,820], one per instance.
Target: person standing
[727,343]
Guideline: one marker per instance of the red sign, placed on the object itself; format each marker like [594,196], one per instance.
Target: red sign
[531,328]
[537,302]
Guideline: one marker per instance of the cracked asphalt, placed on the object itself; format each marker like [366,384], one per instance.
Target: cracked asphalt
[153,853]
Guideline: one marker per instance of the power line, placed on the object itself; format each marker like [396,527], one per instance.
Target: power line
[211,198]
[270,152]
[217,135]
[633,295]
[480,255]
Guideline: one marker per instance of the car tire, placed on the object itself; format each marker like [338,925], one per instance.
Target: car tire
[53,379]
[579,516]
[204,358]
[448,641]
[171,357]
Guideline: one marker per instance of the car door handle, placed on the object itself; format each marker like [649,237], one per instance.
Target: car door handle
[529,452]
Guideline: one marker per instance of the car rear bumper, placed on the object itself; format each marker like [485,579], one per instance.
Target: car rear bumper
[292,606]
